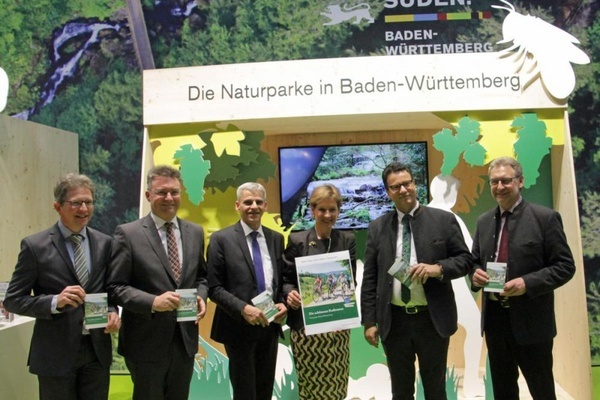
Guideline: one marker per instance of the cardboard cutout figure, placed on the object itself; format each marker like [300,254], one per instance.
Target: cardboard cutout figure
[3,89]
[444,190]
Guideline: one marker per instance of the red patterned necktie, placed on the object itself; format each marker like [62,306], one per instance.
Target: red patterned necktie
[173,251]
[503,246]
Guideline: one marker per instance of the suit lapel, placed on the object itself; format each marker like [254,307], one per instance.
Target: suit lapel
[271,247]
[312,243]
[243,243]
[156,245]
[61,247]
[188,244]
[394,234]
[94,254]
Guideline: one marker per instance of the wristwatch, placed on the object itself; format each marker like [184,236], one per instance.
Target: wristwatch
[441,272]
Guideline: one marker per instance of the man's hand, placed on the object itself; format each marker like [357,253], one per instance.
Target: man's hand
[168,301]
[201,309]
[70,296]
[294,300]
[114,323]
[254,316]
[514,287]
[421,272]
[372,336]
[280,316]
[480,278]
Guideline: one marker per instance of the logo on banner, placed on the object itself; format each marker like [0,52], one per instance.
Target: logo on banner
[541,49]
[338,14]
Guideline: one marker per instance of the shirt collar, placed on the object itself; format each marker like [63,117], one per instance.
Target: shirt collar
[512,209]
[248,230]
[160,222]
[66,232]
[411,212]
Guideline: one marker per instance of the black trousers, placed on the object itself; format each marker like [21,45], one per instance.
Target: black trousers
[167,379]
[252,366]
[90,381]
[414,336]
[507,356]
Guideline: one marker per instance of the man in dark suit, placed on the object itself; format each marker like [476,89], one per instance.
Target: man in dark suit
[153,258]
[71,362]
[413,317]
[519,322]
[244,260]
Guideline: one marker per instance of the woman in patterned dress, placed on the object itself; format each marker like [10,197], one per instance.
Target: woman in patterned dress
[322,360]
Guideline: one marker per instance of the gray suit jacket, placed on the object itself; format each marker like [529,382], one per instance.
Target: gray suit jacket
[299,245]
[438,239]
[538,252]
[139,272]
[45,268]
[232,281]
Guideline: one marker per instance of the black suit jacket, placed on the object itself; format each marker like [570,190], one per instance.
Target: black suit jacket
[538,252]
[438,239]
[140,271]
[299,245]
[45,268]
[232,281]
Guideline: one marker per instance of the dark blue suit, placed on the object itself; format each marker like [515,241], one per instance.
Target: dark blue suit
[252,350]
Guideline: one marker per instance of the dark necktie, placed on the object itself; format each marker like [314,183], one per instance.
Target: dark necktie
[503,246]
[405,290]
[173,251]
[79,259]
[258,264]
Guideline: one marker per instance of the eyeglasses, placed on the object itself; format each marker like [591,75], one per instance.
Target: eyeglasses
[165,193]
[78,204]
[504,181]
[396,188]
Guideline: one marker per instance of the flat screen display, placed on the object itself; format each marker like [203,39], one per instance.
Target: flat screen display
[355,170]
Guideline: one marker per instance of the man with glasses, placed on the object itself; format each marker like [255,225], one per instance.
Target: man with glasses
[413,312]
[55,270]
[153,258]
[529,242]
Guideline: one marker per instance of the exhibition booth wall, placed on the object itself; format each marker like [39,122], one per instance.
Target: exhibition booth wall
[32,159]
[224,125]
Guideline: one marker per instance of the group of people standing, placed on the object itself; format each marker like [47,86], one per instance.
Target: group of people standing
[413,317]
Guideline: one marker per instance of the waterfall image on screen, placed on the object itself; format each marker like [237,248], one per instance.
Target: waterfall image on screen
[355,170]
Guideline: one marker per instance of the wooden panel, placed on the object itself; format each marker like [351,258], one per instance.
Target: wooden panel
[572,359]
[32,159]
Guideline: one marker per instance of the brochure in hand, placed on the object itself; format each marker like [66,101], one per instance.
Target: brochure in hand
[96,310]
[266,304]
[188,305]
[399,270]
[497,274]
[328,292]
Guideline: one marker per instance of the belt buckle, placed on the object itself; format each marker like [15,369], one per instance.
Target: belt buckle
[411,310]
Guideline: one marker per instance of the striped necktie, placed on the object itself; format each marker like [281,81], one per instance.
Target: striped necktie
[79,259]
